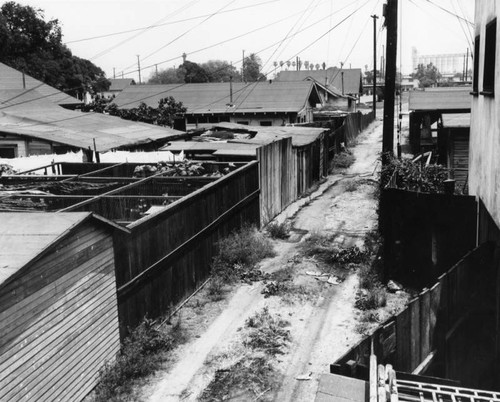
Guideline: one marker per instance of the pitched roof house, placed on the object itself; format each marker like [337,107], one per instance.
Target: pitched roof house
[345,81]
[267,103]
[33,121]
[117,85]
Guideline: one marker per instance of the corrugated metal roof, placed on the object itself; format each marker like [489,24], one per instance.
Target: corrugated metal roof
[440,99]
[257,97]
[78,129]
[456,120]
[23,236]
[17,88]
[353,83]
[300,136]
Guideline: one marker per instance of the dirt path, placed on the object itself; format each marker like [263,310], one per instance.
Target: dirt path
[322,320]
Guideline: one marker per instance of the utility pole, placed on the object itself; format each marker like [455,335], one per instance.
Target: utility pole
[114,75]
[243,67]
[374,107]
[467,65]
[391,22]
[156,69]
[139,68]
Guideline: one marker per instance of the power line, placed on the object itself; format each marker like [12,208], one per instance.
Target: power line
[239,36]
[449,12]
[103,52]
[189,30]
[157,25]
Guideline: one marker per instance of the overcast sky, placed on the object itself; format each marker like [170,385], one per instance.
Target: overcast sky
[330,31]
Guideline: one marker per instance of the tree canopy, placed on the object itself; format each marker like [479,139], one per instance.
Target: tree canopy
[163,115]
[252,66]
[428,75]
[34,46]
[190,72]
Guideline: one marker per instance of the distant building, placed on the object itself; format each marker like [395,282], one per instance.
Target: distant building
[33,121]
[268,103]
[117,85]
[446,63]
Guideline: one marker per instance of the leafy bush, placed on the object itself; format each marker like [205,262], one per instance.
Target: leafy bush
[414,176]
[139,357]
[374,298]
[278,230]
[240,252]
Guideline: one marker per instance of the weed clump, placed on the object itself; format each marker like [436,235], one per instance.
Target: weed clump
[269,333]
[372,294]
[342,160]
[278,230]
[239,253]
[139,356]
[253,374]
[323,248]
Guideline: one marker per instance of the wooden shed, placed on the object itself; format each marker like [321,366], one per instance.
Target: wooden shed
[58,305]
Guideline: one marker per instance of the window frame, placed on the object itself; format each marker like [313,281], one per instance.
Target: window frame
[490,44]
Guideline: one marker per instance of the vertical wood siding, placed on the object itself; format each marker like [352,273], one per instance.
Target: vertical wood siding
[60,320]
[168,255]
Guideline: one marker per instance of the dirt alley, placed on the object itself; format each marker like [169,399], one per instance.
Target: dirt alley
[323,319]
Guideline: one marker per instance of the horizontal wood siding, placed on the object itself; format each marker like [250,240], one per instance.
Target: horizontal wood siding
[59,319]
[168,255]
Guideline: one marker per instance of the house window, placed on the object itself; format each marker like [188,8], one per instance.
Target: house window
[8,151]
[245,123]
[266,123]
[475,76]
[490,44]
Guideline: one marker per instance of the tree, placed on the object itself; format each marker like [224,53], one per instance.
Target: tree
[164,115]
[369,76]
[167,76]
[323,65]
[220,71]
[288,63]
[306,65]
[281,64]
[317,66]
[192,72]
[34,46]
[427,75]
[252,67]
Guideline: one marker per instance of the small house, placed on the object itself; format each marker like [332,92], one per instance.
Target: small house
[269,103]
[58,304]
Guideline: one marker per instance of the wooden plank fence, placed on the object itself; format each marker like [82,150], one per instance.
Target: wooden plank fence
[167,255]
[426,337]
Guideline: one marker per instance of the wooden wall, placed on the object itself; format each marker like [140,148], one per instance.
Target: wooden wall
[168,255]
[437,326]
[60,320]
[277,177]
[424,233]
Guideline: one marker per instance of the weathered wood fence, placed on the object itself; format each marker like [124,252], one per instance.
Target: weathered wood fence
[352,125]
[432,334]
[167,255]
[424,234]
[287,171]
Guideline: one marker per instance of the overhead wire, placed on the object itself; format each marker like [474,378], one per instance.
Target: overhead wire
[109,49]
[157,25]
[188,31]
[239,36]
[317,39]
[449,12]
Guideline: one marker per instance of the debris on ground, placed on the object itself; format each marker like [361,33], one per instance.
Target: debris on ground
[394,286]
[304,377]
